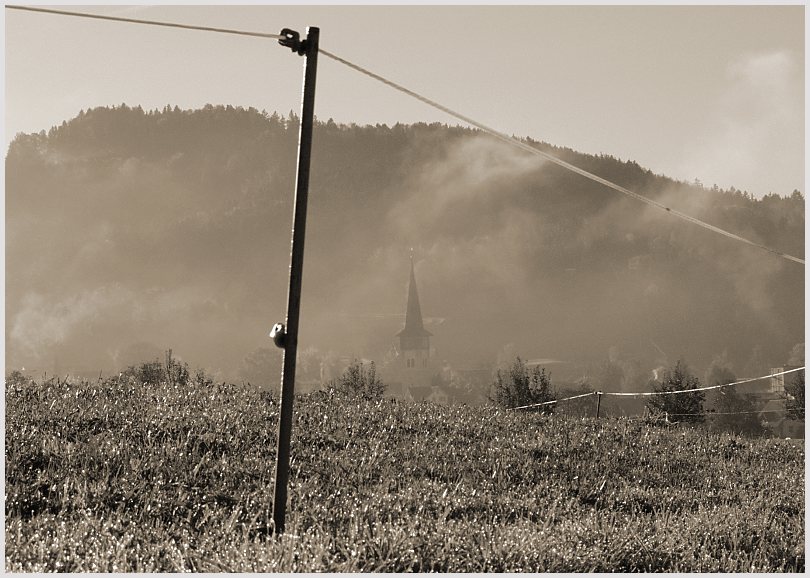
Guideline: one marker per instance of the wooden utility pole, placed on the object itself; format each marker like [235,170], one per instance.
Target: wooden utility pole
[286,336]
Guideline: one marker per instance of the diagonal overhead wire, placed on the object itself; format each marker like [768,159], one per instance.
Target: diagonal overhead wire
[526,147]
[500,135]
[147,22]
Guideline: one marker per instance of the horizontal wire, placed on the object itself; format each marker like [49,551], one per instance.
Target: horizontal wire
[522,145]
[649,393]
[750,379]
[147,22]
[553,401]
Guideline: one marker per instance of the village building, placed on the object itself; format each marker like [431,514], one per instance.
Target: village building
[413,372]
[411,362]
[773,413]
[777,382]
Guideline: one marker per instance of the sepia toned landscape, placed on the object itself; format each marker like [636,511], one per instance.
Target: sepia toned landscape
[513,355]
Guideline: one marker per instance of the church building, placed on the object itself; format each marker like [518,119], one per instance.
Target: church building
[413,372]
[413,365]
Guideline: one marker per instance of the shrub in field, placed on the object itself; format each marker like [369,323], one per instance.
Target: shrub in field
[176,371]
[360,381]
[169,371]
[147,372]
[202,378]
[795,396]
[683,407]
[521,385]
[17,377]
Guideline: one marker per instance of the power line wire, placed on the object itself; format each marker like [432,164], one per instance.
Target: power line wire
[502,136]
[146,22]
[526,147]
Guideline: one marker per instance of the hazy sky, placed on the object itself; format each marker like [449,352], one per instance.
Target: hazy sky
[708,92]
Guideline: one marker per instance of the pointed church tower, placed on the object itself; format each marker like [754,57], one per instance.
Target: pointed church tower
[414,339]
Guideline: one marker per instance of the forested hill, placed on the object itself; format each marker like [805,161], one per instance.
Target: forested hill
[173,228]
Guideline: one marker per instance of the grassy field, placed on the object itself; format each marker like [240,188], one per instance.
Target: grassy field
[119,477]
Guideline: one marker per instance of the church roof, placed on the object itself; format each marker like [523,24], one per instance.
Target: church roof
[413,314]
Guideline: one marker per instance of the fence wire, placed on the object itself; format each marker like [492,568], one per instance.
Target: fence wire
[651,393]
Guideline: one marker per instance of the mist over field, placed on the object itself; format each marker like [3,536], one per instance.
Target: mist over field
[130,232]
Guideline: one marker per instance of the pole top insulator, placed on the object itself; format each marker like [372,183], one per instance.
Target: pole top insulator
[292,40]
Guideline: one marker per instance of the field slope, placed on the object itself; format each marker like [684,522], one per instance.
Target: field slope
[125,477]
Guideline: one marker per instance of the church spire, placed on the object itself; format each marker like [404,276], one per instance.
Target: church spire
[413,314]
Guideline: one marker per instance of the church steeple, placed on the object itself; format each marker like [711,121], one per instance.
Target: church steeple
[413,335]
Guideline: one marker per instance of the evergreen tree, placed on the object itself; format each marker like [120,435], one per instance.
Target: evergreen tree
[681,407]
[359,381]
[520,385]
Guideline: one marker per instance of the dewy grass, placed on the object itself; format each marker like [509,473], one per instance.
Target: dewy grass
[119,476]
